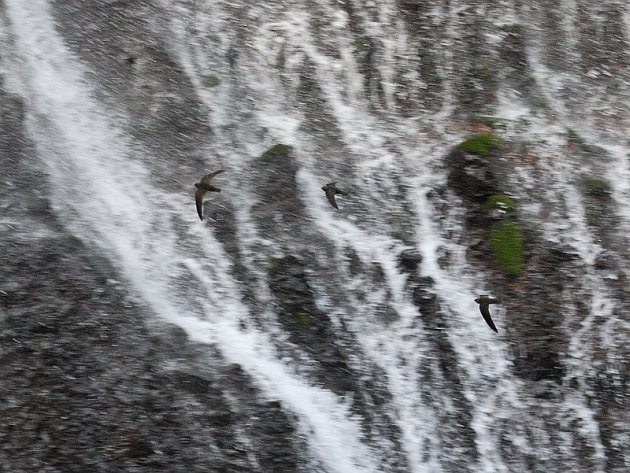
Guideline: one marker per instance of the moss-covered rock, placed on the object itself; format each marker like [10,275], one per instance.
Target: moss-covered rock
[596,187]
[304,319]
[483,70]
[210,81]
[275,152]
[507,244]
[471,176]
[573,137]
[481,144]
[499,202]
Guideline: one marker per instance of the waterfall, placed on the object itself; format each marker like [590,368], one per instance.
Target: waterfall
[378,362]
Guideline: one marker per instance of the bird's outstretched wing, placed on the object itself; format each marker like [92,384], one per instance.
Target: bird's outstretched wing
[330,195]
[207,178]
[485,311]
[199,201]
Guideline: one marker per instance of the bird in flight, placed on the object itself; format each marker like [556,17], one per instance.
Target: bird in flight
[484,302]
[204,186]
[331,190]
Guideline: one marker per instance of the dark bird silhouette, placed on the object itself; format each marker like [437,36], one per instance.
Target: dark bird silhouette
[204,186]
[484,302]
[331,190]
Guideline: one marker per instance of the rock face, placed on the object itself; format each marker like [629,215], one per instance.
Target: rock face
[87,384]
[278,206]
[455,433]
[536,301]
[537,305]
[310,329]
[485,144]
[306,324]
[471,176]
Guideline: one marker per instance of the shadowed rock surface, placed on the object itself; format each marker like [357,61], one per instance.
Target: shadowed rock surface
[326,341]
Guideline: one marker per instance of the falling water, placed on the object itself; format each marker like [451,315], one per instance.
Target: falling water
[373,95]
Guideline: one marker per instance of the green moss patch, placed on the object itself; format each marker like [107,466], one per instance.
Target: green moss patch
[304,319]
[481,144]
[573,137]
[275,152]
[210,81]
[500,202]
[596,186]
[507,244]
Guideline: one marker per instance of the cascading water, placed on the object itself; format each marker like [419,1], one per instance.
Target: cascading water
[360,323]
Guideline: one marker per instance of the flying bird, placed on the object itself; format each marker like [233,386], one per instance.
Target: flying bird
[484,302]
[204,186]
[331,190]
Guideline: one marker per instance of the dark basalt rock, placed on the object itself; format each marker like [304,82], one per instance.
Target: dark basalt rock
[470,175]
[277,208]
[88,383]
[307,325]
[537,301]
[607,261]
[563,254]
[409,260]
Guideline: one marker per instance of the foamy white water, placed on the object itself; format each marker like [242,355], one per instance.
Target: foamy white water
[111,201]
[104,193]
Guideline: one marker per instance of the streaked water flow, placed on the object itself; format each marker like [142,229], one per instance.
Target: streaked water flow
[118,206]
[105,193]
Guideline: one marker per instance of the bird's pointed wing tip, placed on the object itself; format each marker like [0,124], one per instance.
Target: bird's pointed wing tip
[206,179]
[485,312]
[330,195]
[199,202]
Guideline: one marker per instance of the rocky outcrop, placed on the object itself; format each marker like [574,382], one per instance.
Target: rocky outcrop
[308,326]
[471,176]
[278,208]
[330,349]
[535,305]
[87,383]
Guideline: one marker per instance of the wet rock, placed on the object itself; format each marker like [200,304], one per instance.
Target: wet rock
[378,274]
[563,255]
[607,262]
[87,376]
[536,300]
[470,175]
[133,444]
[608,266]
[596,187]
[191,383]
[354,262]
[165,112]
[308,326]
[478,218]
[277,434]
[512,52]
[278,208]
[409,260]
[545,389]
[512,49]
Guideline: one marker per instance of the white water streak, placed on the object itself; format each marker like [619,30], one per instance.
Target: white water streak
[87,157]
[84,151]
